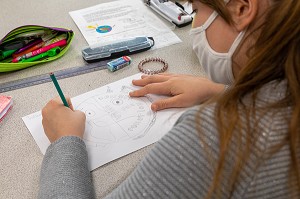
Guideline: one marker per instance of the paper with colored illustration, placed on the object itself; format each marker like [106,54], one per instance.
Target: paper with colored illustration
[122,19]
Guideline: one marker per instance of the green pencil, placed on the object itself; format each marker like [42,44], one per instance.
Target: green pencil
[59,89]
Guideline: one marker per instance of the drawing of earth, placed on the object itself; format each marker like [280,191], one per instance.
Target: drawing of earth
[103,29]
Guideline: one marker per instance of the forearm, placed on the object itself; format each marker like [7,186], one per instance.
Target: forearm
[64,172]
[212,90]
[217,89]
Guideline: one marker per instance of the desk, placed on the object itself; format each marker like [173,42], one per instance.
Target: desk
[20,157]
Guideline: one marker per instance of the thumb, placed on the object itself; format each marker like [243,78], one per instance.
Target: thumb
[80,114]
[171,102]
[69,103]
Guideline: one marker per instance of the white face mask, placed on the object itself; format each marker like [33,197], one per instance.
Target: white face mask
[218,66]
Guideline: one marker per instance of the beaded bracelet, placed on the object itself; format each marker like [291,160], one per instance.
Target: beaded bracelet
[152,72]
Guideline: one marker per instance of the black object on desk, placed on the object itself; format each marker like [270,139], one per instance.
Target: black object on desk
[117,49]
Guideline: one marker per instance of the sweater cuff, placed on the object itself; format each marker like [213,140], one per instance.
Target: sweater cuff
[65,140]
[64,171]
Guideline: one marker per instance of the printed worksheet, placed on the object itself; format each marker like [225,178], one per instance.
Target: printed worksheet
[122,19]
[116,124]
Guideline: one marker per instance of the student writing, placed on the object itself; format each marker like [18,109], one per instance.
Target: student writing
[243,144]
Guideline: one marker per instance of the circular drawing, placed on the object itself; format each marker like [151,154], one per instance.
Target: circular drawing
[103,29]
[116,117]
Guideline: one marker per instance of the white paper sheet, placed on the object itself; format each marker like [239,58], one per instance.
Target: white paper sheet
[122,19]
[116,123]
[189,8]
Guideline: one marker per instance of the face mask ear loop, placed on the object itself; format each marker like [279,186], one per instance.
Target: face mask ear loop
[207,23]
[236,42]
[210,19]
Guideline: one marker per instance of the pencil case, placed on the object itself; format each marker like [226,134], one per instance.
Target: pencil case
[30,45]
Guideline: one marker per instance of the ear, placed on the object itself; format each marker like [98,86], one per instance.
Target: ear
[243,12]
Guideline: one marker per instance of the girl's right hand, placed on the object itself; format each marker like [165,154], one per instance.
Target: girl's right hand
[59,120]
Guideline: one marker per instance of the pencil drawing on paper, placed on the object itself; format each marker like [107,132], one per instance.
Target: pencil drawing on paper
[114,116]
[116,124]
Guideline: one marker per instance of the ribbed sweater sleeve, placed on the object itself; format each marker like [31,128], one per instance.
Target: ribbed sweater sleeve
[64,172]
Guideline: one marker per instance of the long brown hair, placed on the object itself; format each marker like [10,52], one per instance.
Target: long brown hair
[275,57]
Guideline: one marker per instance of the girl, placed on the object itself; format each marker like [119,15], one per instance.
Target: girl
[243,144]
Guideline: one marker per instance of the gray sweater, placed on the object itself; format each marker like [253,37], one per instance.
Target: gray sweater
[178,166]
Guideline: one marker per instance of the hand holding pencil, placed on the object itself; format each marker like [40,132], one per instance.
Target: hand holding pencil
[60,119]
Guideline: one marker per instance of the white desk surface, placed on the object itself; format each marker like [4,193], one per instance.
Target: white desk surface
[20,157]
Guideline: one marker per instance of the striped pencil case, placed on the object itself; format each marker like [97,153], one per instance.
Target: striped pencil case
[29,45]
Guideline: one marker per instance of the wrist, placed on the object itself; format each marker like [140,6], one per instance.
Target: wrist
[217,89]
[65,140]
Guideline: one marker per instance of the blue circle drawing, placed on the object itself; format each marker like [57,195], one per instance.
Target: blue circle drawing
[103,29]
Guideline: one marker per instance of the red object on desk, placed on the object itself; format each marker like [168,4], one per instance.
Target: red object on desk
[5,105]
